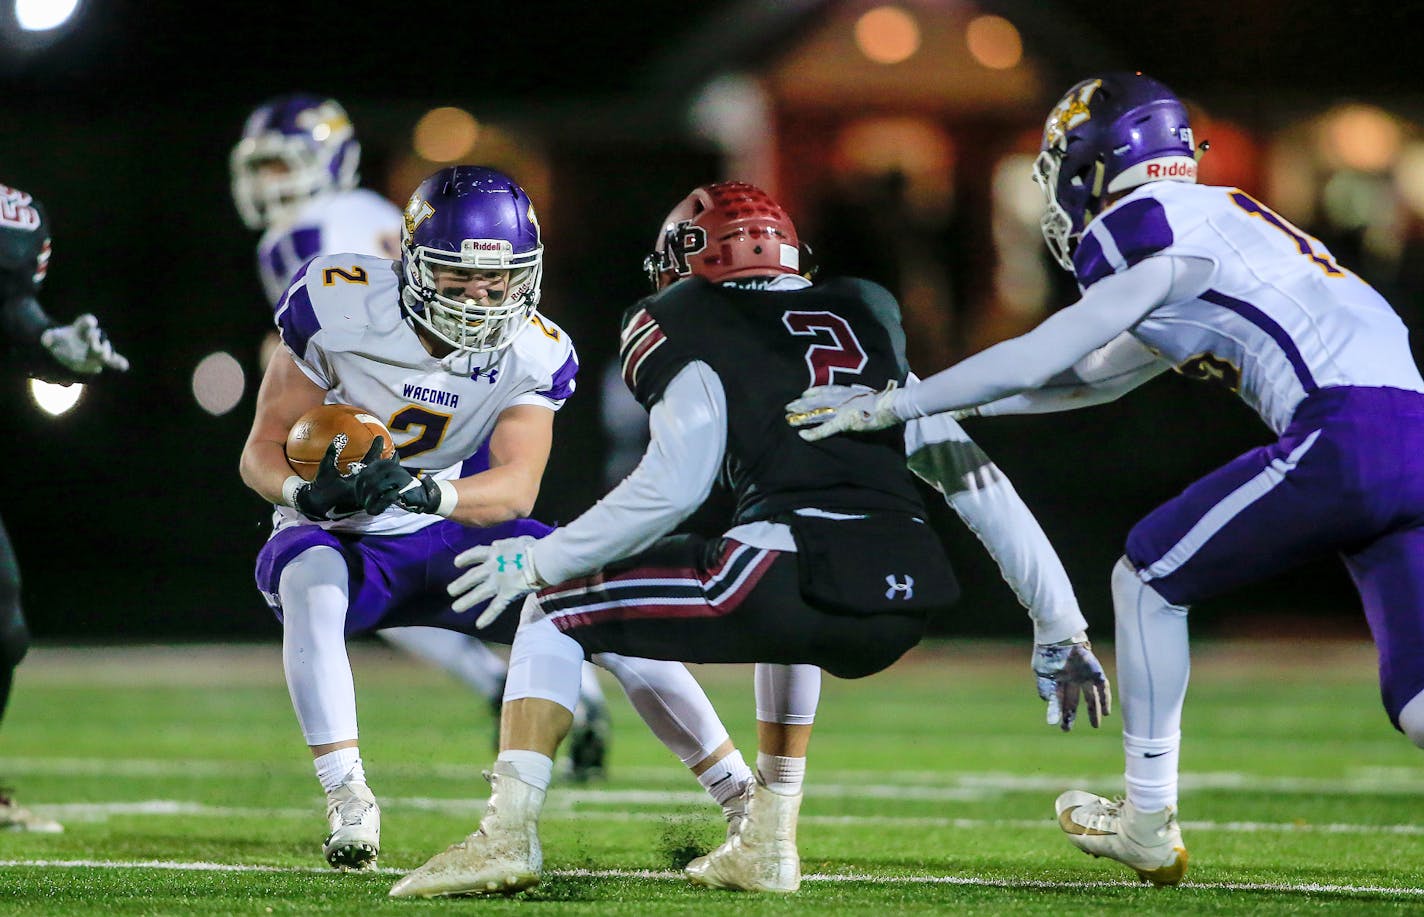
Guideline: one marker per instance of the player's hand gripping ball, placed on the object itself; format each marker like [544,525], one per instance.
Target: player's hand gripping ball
[318,428]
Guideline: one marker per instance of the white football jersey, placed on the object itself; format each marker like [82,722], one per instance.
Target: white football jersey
[342,321]
[358,221]
[1279,318]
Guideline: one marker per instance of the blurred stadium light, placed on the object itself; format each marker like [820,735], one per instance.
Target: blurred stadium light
[55,399]
[218,383]
[43,15]
[445,134]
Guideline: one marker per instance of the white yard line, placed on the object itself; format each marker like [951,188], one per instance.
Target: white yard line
[99,811]
[1310,888]
[896,784]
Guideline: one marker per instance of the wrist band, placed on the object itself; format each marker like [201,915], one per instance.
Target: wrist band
[290,488]
[448,499]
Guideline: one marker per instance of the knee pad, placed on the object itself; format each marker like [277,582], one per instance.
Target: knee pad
[1411,720]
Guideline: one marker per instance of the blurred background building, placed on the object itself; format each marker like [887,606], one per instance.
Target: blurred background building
[900,135]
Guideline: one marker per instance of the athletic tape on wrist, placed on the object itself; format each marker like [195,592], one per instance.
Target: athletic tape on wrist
[290,488]
[448,499]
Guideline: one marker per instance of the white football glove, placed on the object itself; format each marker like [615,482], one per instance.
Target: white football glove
[82,347]
[1066,670]
[823,410]
[503,571]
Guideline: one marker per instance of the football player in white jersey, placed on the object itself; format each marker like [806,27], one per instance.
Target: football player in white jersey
[294,177]
[446,346]
[1212,282]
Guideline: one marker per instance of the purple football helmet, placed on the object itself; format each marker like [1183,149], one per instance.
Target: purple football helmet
[1108,134]
[294,149]
[477,219]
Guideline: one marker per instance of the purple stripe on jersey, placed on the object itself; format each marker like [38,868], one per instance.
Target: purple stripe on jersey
[1267,324]
[1139,228]
[306,242]
[297,319]
[563,384]
[477,462]
[1089,263]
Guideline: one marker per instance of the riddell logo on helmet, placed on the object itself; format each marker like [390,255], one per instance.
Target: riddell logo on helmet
[1174,169]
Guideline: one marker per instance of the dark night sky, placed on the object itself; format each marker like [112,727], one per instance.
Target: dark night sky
[153,52]
[123,126]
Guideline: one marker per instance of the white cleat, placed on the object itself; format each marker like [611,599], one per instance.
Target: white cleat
[355,820]
[503,857]
[15,817]
[1148,842]
[759,854]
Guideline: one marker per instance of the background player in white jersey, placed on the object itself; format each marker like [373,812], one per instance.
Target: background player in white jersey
[446,346]
[1213,283]
[828,562]
[294,177]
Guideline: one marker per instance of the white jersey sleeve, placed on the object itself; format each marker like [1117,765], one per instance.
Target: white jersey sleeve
[358,221]
[1031,360]
[688,437]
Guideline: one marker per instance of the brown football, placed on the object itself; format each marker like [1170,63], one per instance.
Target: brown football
[314,431]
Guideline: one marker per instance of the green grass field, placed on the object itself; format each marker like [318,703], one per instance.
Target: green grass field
[185,788]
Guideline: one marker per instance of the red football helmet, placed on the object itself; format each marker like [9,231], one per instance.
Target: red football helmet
[724,231]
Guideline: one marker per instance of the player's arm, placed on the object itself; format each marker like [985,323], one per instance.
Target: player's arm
[519,451]
[285,395]
[1107,309]
[688,436]
[1105,375]
[943,456]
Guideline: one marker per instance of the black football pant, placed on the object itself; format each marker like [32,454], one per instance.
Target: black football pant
[14,635]
[694,599]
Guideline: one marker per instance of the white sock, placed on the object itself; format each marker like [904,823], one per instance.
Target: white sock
[337,767]
[1153,666]
[782,775]
[1151,771]
[530,767]
[725,780]
[313,592]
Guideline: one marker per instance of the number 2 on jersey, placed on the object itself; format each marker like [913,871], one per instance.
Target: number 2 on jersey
[836,348]
[1302,241]
[431,425]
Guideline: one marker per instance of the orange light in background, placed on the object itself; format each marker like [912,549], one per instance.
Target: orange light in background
[994,42]
[1361,137]
[887,35]
[445,134]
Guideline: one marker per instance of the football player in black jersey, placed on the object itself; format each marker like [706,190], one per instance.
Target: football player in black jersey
[828,563]
[42,348]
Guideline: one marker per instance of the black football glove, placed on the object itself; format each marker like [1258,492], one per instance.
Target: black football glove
[383,483]
[330,496]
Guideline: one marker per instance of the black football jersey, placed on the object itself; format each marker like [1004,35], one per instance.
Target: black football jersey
[24,243]
[767,347]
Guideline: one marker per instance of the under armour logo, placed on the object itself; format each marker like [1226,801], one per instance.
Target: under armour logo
[518,562]
[905,590]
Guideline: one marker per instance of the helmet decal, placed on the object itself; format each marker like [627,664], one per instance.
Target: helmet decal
[1071,111]
[724,231]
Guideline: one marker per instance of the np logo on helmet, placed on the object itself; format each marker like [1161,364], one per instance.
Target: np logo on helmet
[684,239]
